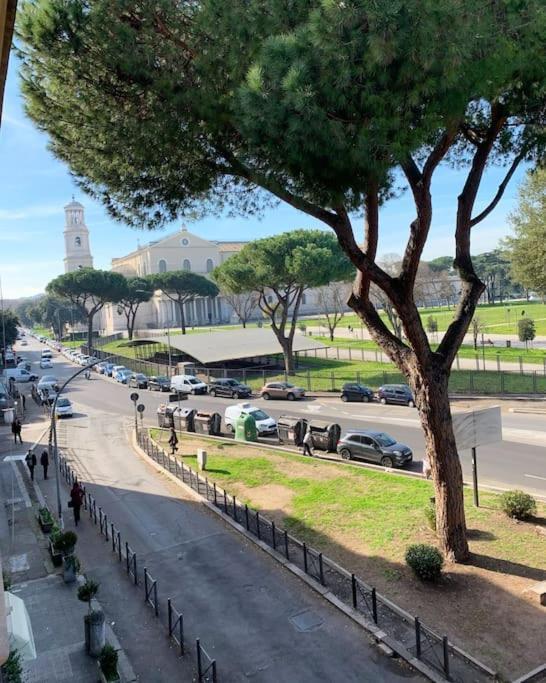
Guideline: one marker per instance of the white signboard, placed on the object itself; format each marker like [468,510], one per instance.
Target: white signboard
[477,427]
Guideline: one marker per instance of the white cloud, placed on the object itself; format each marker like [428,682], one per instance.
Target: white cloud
[17,122]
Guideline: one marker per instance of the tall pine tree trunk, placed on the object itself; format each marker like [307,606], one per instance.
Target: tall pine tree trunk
[90,317]
[182,317]
[430,387]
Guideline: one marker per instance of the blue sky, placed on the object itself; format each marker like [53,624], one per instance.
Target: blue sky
[34,187]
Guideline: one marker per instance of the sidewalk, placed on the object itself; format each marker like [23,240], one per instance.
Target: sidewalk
[55,613]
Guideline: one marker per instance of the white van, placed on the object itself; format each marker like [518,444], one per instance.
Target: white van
[20,375]
[264,423]
[188,384]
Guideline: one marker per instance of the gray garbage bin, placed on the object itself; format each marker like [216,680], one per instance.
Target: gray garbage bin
[291,429]
[165,416]
[184,417]
[208,423]
[325,435]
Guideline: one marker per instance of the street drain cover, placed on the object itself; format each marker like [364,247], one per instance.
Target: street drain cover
[306,621]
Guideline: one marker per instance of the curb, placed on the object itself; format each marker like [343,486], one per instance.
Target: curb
[379,636]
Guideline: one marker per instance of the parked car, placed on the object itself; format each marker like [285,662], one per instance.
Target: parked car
[63,408]
[122,376]
[20,375]
[24,342]
[264,423]
[25,365]
[229,387]
[46,353]
[101,367]
[49,382]
[188,384]
[356,392]
[281,390]
[159,383]
[396,393]
[108,369]
[46,363]
[83,358]
[138,380]
[378,447]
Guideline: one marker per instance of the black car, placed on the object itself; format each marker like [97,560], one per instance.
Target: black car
[356,392]
[138,380]
[229,387]
[160,383]
[376,447]
[396,393]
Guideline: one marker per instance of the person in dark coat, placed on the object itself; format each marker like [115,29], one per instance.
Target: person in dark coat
[44,462]
[173,441]
[31,463]
[16,430]
[76,498]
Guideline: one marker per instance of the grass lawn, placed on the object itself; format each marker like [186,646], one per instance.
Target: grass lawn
[44,332]
[365,520]
[497,318]
[508,355]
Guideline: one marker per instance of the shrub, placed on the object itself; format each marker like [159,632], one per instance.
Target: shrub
[66,541]
[430,515]
[425,560]
[87,591]
[45,514]
[518,504]
[12,671]
[108,660]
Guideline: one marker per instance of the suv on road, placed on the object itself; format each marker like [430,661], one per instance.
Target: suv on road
[396,393]
[282,390]
[377,447]
[229,387]
[159,383]
[356,392]
[138,380]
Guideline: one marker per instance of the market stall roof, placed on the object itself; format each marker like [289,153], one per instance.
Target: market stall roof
[215,347]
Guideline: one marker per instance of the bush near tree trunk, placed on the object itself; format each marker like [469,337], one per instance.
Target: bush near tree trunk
[426,561]
[518,504]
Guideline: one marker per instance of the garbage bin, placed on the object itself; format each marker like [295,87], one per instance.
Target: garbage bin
[245,428]
[165,416]
[208,423]
[185,419]
[325,436]
[291,429]
[508,343]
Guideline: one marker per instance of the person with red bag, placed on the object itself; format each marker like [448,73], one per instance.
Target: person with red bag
[76,500]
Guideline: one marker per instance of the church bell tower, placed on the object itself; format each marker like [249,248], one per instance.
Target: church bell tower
[76,239]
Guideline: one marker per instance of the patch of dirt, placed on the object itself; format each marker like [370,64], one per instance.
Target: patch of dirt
[312,470]
[274,500]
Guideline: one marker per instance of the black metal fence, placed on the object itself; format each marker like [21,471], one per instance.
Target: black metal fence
[206,666]
[434,650]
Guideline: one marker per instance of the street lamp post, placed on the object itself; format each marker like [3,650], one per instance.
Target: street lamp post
[53,436]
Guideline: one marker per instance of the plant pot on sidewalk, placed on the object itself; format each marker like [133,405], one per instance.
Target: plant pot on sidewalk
[56,555]
[45,519]
[108,665]
[95,633]
[71,567]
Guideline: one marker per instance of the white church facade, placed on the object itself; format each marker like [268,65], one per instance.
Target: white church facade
[181,250]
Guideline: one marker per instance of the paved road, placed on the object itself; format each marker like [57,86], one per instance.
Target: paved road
[259,622]
[517,461]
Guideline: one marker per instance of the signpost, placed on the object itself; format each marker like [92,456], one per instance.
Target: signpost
[134,399]
[477,428]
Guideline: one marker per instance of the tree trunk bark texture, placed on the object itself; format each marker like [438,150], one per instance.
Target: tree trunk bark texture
[182,317]
[90,332]
[430,387]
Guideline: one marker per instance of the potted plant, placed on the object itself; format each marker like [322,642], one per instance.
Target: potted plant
[71,567]
[65,542]
[108,664]
[93,620]
[45,520]
[56,554]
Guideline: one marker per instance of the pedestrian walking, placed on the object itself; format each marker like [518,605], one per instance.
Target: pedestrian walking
[76,501]
[308,443]
[44,462]
[427,470]
[16,430]
[31,463]
[173,441]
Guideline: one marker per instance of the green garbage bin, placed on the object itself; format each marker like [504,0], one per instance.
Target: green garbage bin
[245,428]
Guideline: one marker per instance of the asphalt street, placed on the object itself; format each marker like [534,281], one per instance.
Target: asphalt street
[518,461]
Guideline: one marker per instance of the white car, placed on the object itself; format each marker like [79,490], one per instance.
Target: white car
[48,382]
[264,423]
[46,353]
[82,359]
[63,408]
[46,363]
[24,342]
[19,375]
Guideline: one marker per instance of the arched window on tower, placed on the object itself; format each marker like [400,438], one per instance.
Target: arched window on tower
[186,265]
[210,265]
[78,241]
[162,266]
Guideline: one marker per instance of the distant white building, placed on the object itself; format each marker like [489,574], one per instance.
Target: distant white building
[76,239]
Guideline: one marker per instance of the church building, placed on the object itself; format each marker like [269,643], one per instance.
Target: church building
[76,238]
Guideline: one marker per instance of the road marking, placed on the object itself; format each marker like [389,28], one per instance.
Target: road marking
[534,476]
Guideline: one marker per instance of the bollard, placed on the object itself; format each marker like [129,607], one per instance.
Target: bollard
[417,638]
[286,544]
[374,605]
[353,587]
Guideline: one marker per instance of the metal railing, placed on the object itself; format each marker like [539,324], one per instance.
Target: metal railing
[434,650]
[206,666]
